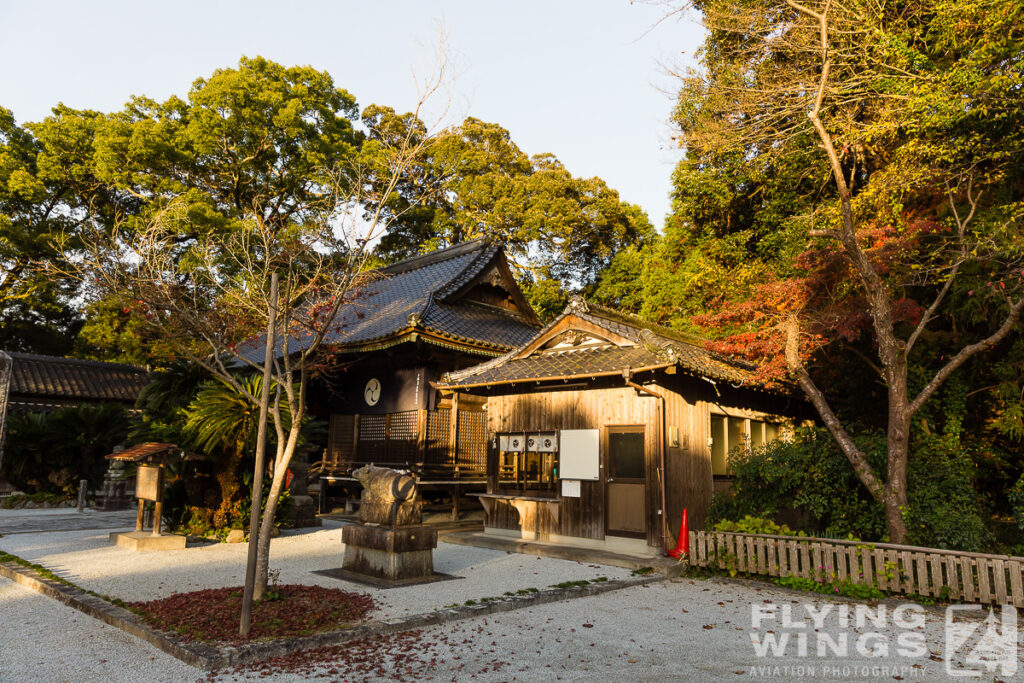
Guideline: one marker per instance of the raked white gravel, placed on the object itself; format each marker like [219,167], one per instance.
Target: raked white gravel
[86,558]
[42,640]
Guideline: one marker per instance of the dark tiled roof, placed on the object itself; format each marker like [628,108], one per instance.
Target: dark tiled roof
[51,377]
[655,347]
[468,321]
[142,452]
[410,296]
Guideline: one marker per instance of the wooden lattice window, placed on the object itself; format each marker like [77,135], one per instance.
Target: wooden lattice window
[371,427]
[438,427]
[339,442]
[402,438]
[472,440]
[402,426]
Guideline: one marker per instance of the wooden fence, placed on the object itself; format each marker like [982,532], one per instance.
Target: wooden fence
[942,574]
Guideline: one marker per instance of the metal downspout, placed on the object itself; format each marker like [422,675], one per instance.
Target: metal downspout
[627,374]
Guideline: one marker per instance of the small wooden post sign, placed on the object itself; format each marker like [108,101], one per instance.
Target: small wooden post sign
[149,485]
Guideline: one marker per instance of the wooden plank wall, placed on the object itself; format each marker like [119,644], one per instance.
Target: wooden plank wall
[929,572]
[688,467]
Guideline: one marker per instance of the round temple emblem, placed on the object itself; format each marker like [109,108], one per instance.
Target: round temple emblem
[372,392]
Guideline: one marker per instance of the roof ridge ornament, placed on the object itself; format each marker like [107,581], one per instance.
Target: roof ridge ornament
[658,346]
[577,305]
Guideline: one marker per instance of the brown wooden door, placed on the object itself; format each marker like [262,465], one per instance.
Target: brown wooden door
[626,505]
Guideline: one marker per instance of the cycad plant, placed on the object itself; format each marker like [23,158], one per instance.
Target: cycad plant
[222,423]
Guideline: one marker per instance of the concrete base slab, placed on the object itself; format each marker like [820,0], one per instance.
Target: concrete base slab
[355,577]
[145,540]
[582,553]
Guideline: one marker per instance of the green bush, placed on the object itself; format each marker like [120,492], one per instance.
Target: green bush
[50,452]
[810,476]
[1016,496]
[203,521]
[845,588]
[756,525]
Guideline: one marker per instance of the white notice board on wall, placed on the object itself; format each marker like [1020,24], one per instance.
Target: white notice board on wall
[580,456]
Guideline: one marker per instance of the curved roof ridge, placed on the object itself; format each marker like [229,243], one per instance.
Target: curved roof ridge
[640,323]
[472,269]
[77,361]
[486,365]
[432,257]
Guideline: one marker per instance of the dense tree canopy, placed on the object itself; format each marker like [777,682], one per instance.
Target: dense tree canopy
[851,190]
[474,181]
[273,143]
[35,311]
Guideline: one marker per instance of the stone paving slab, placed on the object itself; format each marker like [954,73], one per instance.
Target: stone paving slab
[27,521]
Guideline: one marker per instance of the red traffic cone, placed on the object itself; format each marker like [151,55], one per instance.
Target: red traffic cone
[683,547]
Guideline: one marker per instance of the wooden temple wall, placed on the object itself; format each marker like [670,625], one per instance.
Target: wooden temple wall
[688,466]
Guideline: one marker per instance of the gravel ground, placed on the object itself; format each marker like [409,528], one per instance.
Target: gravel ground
[87,559]
[42,640]
[696,630]
[691,629]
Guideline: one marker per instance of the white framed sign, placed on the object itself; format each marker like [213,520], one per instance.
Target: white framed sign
[580,456]
[570,488]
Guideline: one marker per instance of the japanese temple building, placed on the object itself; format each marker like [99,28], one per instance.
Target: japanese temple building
[32,383]
[416,320]
[602,428]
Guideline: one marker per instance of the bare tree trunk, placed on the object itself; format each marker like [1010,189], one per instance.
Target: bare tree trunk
[270,513]
[897,451]
[257,483]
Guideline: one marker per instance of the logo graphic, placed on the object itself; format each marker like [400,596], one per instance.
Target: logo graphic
[976,647]
[372,392]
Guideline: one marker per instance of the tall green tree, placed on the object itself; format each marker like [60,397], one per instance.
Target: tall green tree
[474,181]
[250,222]
[896,129]
[37,203]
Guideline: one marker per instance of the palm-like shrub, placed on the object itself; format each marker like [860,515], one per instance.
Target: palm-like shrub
[221,423]
[52,451]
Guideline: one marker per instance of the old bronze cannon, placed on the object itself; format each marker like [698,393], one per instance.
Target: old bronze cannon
[389,545]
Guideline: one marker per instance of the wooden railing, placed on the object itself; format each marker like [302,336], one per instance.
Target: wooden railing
[930,572]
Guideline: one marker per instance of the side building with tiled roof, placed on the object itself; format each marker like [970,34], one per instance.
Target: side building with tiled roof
[603,428]
[411,323]
[36,383]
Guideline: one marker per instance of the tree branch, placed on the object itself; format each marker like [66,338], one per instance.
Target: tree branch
[965,354]
[846,443]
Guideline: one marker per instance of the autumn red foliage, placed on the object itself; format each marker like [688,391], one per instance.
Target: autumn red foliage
[295,610]
[823,292]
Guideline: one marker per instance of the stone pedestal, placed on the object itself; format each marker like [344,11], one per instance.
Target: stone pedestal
[391,554]
[147,540]
[303,509]
[302,513]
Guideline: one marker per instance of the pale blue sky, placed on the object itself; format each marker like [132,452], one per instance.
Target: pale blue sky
[580,79]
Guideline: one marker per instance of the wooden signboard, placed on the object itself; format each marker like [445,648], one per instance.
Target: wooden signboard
[149,483]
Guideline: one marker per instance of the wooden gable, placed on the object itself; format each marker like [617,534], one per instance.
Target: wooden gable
[496,286]
[573,332]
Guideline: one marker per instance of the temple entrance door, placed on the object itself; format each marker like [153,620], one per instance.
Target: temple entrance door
[626,486]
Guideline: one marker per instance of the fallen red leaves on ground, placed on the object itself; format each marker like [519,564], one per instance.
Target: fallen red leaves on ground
[295,610]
